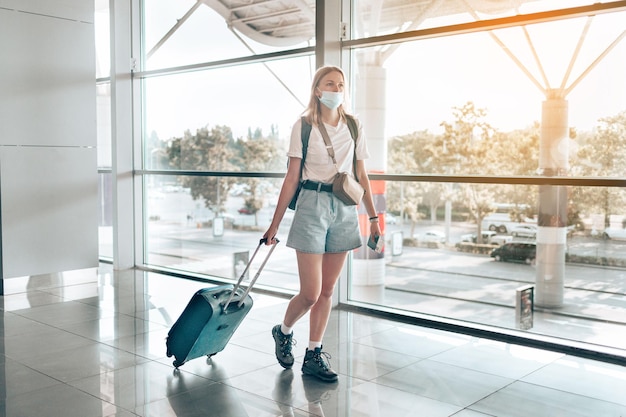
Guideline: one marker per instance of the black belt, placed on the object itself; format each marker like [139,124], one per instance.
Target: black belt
[318,186]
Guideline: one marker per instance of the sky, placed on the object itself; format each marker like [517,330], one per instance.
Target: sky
[479,70]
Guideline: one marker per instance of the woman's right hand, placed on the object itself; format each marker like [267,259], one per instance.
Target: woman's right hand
[270,235]
[289,187]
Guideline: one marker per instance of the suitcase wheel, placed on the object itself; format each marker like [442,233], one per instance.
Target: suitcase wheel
[176,364]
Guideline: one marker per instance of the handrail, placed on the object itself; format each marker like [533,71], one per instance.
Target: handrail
[461,179]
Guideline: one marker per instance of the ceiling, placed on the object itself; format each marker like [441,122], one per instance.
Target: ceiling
[290,22]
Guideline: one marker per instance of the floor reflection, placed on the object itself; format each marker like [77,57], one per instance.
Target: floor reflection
[93,344]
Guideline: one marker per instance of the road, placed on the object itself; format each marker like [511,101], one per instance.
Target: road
[174,207]
[197,250]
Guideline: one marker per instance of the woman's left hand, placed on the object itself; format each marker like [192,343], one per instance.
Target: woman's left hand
[375,229]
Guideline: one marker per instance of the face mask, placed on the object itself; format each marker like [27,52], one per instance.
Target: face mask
[331,99]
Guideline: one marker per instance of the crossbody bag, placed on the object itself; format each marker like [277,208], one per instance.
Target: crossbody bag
[305,133]
[345,186]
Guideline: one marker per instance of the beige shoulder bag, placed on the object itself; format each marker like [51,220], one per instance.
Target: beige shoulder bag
[345,186]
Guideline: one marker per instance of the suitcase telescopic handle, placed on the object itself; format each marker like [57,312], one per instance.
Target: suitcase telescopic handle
[256,276]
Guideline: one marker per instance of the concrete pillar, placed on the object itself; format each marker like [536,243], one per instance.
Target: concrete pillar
[552,220]
[370,92]
[121,134]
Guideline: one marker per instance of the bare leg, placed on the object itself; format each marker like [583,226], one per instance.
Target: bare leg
[310,271]
[332,264]
[318,277]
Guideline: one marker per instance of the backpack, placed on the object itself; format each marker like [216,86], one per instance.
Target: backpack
[305,133]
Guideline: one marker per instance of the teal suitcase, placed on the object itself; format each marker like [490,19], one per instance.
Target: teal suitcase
[211,317]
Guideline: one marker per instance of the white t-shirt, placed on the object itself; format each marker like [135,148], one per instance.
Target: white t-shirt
[318,165]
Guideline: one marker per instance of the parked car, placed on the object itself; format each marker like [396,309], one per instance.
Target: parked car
[516,252]
[431,236]
[244,210]
[390,218]
[500,239]
[614,233]
[524,230]
[473,237]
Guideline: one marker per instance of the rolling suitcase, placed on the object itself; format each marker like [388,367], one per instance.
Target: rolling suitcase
[211,317]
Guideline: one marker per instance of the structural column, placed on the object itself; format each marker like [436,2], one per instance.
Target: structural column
[121,136]
[369,266]
[552,221]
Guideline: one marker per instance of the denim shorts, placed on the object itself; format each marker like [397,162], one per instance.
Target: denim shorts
[323,224]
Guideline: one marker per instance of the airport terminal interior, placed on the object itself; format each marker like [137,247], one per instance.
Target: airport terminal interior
[142,149]
[92,343]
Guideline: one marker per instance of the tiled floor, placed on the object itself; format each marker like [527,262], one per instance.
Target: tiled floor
[92,343]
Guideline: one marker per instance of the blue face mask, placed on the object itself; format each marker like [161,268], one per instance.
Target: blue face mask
[331,99]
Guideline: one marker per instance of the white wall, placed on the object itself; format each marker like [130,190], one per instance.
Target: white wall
[48,168]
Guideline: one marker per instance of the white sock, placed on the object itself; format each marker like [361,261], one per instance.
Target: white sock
[285,329]
[313,345]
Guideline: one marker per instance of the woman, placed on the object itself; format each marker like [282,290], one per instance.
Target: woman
[324,228]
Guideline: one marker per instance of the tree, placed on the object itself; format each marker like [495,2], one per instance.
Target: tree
[601,155]
[409,154]
[206,150]
[258,154]
[516,153]
[467,148]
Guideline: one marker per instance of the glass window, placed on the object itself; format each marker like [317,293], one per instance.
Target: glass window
[102,35]
[514,102]
[234,104]
[433,263]
[189,233]
[104,151]
[228,120]
[103,117]
[105,216]
[189,32]
[473,104]
[518,101]
[103,122]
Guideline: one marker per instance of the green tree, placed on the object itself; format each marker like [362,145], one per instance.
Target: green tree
[258,155]
[409,154]
[516,153]
[469,145]
[466,149]
[206,150]
[602,155]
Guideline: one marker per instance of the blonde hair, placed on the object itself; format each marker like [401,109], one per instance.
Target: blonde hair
[313,112]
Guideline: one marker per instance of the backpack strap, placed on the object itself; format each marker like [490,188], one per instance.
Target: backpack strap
[354,132]
[353,127]
[305,132]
